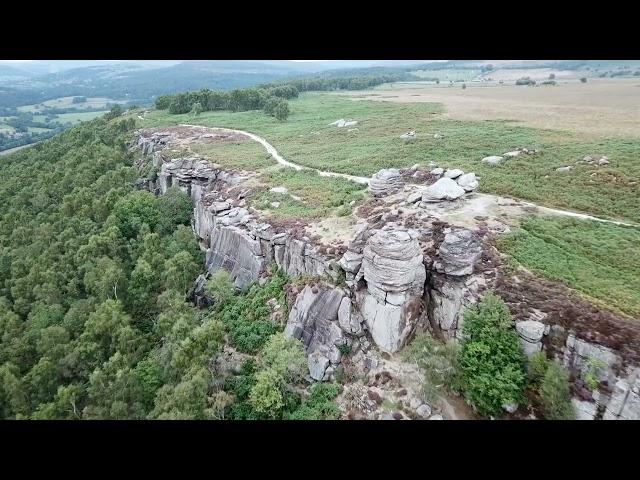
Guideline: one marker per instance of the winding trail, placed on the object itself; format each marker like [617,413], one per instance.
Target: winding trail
[365,180]
[282,161]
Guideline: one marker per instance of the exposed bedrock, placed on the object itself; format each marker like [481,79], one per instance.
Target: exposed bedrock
[391,304]
[396,278]
[314,320]
[385,182]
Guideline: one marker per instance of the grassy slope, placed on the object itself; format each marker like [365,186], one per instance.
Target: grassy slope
[599,260]
[306,138]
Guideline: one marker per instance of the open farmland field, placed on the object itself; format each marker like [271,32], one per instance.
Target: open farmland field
[307,139]
[600,108]
[79,117]
[67,102]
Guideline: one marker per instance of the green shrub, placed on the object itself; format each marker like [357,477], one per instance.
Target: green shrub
[281,362]
[319,406]
[436,360]
[490,360]
[537,367]
[592,374]
[247,317]
[220,287]
[555,393]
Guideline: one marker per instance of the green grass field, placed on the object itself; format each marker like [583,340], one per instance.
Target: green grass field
[601,261]
[38,129]
[67,102]
[306,138]
[79,117]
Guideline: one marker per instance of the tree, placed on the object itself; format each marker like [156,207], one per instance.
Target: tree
[555,393]
[282,361]
[270,105]
[130,212]
[583,79]
[464,85]
[220,287]
[281,111]
[180,272]
[175,208]
[490,360]
[196,109]
[552,76]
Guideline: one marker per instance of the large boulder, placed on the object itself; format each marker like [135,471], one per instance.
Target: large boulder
[443,189]
[385,182]
[468,181]
[458,253]
[391,304]
[314,320]
[530,333]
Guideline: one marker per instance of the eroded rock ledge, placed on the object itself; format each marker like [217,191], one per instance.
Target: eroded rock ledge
[404,269]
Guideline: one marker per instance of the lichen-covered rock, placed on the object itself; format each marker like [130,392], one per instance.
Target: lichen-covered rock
[395,275]
[443,189]
[458,253]
[385,182]
[468,181]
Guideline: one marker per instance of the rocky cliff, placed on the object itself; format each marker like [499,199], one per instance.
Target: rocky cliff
[403,270]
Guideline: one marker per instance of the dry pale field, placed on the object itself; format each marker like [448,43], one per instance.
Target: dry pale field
[598,108]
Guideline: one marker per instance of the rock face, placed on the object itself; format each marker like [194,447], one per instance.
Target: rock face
[236,252]
[452,284]
[314,320]
[385,182]
[395,275]
[530,333]
[443,189]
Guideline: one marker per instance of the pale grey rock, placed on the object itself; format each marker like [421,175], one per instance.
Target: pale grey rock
[235,251]
[584,410]
[280,190]
[437,171]
[468,181]
[395,275]
[424,410]
[514,153]
[385,182]
[338,123]
[625,398]
[443,189]
[453,173]
[349,320]
[409,135]
[318,365]
[510,407]
[564,169]
[436,417]
[351,261]
[530,333]
[218,207]
[492,159]
[313,320]
[458,253]
[350,123]
[414,197]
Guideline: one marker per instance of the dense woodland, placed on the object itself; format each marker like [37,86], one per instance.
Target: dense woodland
[95,278]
